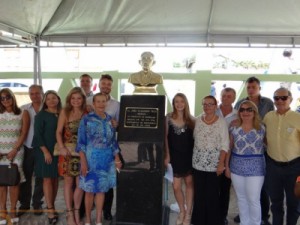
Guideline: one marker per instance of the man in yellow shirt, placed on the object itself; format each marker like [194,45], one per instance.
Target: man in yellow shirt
[283,160]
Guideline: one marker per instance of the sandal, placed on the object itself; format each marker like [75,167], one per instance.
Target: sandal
[70,217]
[180,218]
[52,220]
[77,216]
[187,219]
[13,218]
[3,217]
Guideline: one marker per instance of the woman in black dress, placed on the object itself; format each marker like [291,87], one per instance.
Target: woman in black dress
[179,151]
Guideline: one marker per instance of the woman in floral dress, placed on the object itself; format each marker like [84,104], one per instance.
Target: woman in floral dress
[69,162]
[99,157]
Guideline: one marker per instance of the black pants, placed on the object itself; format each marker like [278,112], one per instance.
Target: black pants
[264,202]
[26,187]
[225,184]
[206,210]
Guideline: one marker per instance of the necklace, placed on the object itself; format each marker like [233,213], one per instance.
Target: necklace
[209,121]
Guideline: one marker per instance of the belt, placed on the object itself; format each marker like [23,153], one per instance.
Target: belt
[283,164]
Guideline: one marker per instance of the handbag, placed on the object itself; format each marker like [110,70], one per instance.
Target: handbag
[10,175]
[70,146]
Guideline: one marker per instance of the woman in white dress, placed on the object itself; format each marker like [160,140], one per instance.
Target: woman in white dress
[14,125]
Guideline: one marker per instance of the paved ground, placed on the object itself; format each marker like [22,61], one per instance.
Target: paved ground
[31,219]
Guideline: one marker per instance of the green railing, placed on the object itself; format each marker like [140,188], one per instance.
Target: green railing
[202,81]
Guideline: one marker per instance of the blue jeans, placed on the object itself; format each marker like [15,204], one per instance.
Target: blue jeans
[281,180]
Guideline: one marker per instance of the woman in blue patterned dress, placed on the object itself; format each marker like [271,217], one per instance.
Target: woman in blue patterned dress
[247,162]
[98,150]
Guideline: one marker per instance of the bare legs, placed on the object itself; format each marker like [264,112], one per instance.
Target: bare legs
[13,195]
[3,199]
[78,193]
[189,193]
[184,199]
[68,194]
[89,199]
[50,187]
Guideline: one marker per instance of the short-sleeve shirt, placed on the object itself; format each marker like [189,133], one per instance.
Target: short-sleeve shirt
[247,154]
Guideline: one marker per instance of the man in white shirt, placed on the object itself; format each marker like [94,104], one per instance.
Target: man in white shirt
[226,111]
[36,96]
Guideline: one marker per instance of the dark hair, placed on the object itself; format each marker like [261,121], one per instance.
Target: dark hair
[86,75]
[106,76]
[15,107]
[211,97]
[287,53]
[252,80]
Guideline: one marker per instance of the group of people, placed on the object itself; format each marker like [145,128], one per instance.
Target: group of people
[251,145]
[77,142]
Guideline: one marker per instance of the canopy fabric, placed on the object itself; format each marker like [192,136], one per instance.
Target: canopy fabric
[157,21]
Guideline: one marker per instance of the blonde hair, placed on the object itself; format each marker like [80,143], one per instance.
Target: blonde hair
[187,118]
[256,118]
[68,107]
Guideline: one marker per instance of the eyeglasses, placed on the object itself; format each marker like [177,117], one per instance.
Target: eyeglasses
[7,97]
[250,109]
[283,98]
[208,104]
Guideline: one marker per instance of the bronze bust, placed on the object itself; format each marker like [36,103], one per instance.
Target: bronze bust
[145,81]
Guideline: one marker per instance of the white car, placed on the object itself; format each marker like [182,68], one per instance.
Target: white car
[14,86]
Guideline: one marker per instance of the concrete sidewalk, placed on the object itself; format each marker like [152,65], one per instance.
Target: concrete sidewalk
[31,219]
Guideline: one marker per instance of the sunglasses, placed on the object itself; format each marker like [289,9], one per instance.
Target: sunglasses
[283,98]
[250,109]
[7,97]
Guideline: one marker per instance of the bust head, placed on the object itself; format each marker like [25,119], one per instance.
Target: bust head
[147,60]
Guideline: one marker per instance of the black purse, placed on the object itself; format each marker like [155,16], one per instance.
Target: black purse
[9,175]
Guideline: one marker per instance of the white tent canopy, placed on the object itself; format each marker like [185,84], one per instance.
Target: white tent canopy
[158,22]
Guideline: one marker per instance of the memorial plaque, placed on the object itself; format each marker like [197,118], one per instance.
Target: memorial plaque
[142,118]
[138,117]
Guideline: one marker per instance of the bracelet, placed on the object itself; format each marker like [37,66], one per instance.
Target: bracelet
[118,162]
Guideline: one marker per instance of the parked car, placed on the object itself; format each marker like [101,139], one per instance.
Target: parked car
[14,86]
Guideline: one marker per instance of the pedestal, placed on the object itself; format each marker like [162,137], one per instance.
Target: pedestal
[141,138]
